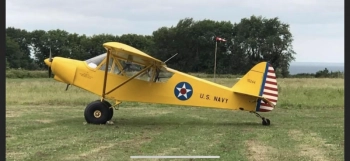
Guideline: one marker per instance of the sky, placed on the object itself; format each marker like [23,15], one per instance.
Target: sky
[316,25]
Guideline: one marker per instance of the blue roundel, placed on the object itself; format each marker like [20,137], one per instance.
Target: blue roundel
[183,91]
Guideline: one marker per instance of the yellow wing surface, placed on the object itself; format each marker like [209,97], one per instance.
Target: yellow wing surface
[128,53]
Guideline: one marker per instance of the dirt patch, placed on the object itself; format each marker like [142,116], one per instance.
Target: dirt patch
[167,151]
[216,140]
[96,150]
[157,112]
[90,152]
[134,143]
[13,114]
[44,121]
[149,111]
[15,155]
[198,117]
[311,145]
[259,151]
[47,129]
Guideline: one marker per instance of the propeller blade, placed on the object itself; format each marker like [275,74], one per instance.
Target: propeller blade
[50,72]
[50,56]
[50,59]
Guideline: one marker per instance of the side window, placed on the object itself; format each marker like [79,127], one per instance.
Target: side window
[113,66]
[110,64]
[162,75]
[128,67]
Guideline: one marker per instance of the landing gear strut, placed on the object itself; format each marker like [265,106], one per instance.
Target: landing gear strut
[265,121]
[98,112]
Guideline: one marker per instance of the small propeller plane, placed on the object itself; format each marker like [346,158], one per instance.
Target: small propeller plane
[125,73]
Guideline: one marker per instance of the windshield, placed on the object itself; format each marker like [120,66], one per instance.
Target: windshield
[95,61]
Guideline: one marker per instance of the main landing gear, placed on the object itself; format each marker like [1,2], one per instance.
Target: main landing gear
[265,121]
[98,112]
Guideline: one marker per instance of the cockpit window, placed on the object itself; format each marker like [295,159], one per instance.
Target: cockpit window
[129,68]
[110,65]
[95,61]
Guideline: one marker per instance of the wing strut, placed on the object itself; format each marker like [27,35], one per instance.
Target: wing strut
[105,77]
[143,70]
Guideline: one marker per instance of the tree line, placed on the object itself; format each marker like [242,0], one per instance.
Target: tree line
[250,41]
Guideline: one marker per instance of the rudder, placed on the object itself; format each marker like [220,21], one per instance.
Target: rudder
[269,90]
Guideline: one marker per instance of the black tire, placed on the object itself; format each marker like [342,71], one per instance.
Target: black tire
[111,110]
[266,122]
[97,112]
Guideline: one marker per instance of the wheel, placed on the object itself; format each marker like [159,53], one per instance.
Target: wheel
[265,121]
[97,112]
[111,110]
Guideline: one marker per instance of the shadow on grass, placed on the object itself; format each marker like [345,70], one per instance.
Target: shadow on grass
[156,121]
[169,122]
[135,122]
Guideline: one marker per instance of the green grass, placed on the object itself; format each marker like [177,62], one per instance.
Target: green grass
[45,122]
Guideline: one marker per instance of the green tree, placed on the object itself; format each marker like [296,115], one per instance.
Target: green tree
[249,42]
[95,44]
[13,53]
[141,42]
[194,43]
[21,37]
[262,39]
[39,43]
[79,46]
[56,40]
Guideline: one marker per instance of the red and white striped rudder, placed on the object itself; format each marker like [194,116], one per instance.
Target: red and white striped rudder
[269,90]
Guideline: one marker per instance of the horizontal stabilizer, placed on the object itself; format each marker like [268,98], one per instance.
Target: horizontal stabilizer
[259,97]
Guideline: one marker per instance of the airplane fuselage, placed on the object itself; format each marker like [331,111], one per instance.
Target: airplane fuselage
[179,89]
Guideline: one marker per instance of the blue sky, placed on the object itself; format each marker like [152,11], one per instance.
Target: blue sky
[317,25]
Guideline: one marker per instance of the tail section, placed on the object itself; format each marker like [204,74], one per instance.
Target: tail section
[260,82]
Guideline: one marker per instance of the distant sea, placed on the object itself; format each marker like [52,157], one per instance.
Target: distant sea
[313,67]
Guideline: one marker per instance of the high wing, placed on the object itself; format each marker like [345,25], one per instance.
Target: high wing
[128,53]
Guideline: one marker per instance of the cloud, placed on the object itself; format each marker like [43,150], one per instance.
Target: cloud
[316,49]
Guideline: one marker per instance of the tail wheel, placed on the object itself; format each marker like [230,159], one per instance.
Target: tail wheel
[97,112]
[265,122]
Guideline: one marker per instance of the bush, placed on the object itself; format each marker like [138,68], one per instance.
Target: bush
[320,74]
[19,73]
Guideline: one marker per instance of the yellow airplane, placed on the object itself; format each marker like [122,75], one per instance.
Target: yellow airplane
[124,73]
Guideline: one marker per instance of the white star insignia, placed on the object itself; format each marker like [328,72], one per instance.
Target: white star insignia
[181,91]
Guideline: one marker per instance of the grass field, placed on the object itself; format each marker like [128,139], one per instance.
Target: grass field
[45,122]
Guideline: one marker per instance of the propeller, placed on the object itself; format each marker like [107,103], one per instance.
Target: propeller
[50,71]
[50,59]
